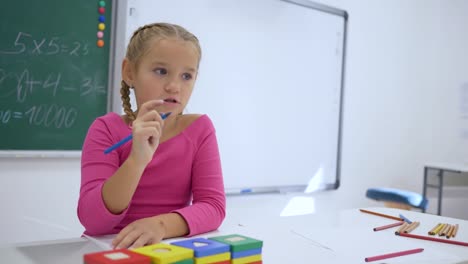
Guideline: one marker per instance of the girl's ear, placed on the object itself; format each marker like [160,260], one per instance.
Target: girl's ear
[127,72]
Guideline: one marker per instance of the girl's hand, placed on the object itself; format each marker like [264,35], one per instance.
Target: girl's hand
[142,232]
[146,130]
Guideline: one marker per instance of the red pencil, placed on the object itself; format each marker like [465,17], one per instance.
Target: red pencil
[395,254]
[388,226]
[434,239]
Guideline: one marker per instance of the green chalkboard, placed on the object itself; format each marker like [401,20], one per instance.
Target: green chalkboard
[53,76]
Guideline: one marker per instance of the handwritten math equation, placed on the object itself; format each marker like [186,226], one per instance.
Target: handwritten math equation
[23,85]
[44,115]
[28,44]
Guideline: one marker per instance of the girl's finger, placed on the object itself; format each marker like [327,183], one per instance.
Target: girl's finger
[122,234]
[143,240]
[150,105]
[150,116]
[129,239]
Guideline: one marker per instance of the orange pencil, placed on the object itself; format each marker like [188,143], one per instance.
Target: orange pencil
[402,228]
[449,233]
[444,230]
[382,215]
[411,227]
[455,230]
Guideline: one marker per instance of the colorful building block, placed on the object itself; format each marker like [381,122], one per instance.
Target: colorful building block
[246,253]
[203,247]
[185,261]
[249,259]
[120,256]
[213,258]
[165,253]
[238,242]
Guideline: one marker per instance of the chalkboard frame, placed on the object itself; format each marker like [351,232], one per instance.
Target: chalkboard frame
[111,82]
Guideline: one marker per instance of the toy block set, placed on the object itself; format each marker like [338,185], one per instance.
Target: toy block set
[230,249]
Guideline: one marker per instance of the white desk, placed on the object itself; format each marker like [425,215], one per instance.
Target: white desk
[441,169]
[338,236]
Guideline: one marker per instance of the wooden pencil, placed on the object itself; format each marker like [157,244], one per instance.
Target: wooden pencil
[450,231]
[441,228]
[435,239]
[454,233]
[444,230]
[411,227]
[442,225]
[382,215]
[399,223]
[432,231]
[402,228]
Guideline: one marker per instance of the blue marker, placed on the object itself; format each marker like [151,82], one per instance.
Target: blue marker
[129,137]
[247,190]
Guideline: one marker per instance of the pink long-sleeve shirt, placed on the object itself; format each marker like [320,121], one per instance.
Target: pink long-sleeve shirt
[184,177]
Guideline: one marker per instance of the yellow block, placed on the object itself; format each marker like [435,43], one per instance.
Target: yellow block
[164,253]
[248,259]
[213,258]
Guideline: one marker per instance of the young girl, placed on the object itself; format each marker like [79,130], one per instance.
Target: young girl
[166,182]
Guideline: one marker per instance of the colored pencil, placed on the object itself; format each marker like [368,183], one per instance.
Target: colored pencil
[450,232]
[388,226]
[382,215]
[128,138]
[435,239]
[411,227]
[455,230]
[432,231]
[402,228]
[395,254]
[442,226]
[444,230]
[405,219]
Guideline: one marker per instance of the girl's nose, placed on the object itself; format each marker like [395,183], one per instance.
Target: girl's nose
[173,86]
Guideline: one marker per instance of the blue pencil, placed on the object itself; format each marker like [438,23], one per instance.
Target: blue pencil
[129,137]
[406,219]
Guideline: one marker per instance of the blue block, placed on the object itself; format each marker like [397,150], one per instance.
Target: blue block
[399,196]
[211,247]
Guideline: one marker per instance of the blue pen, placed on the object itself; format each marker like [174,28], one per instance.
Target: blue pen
[129,137]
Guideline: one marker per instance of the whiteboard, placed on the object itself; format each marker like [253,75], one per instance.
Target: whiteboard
[271,80]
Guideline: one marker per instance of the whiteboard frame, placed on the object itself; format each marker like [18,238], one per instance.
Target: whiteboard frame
[303,188]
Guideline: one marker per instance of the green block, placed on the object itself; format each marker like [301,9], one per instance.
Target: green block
[238,242]
[185,261]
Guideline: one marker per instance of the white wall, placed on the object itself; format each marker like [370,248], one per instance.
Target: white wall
[406,63]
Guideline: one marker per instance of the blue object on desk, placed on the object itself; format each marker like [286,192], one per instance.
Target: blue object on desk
[398,196]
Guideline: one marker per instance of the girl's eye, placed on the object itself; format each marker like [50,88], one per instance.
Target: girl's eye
[186,76]
[160,71]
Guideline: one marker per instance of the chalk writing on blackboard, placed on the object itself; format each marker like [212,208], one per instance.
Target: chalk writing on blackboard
[27,43]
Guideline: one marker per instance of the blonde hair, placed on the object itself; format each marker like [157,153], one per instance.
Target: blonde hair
[139,45]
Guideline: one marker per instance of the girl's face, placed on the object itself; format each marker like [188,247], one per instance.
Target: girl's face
[168,72]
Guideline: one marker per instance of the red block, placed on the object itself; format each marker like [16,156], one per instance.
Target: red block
[120,256]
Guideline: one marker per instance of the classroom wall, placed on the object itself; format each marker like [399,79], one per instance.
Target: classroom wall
[406,65]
